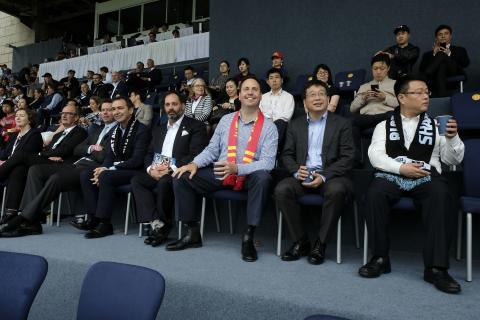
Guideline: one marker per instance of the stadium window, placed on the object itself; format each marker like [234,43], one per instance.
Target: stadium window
[130,20]
[179,11]
[108,23]
[154,14]
[202,9]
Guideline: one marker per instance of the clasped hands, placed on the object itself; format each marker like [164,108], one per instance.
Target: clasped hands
[302,174]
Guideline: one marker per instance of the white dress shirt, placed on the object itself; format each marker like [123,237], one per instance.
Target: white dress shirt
[64,134]
[277,106]
[449,151]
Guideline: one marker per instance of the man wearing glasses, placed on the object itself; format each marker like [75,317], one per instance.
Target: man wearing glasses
[58,152]
[318,154]
[406,151]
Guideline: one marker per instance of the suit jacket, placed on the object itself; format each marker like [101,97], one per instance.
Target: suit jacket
[203,109]
[155,76]
[121,89]
[81,150]
[101,90]
[458,54]
[338,149]
[144,114]
[190,140]
[31,142]
[140,142]
[65,148]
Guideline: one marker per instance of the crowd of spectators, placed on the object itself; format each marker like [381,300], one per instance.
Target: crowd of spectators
[106,137]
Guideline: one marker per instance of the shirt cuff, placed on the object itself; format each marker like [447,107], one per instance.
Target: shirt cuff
[148,169]
[89,150]
[454,142]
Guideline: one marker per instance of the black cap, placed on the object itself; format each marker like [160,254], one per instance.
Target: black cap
[401,27]
[71,71]
[47,74]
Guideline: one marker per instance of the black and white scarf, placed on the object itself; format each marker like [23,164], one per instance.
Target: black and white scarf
[420,149]
[122,145]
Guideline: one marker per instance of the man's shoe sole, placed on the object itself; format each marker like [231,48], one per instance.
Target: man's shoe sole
[193,245]
[376,275]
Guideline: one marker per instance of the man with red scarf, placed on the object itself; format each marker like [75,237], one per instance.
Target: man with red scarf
[243,148]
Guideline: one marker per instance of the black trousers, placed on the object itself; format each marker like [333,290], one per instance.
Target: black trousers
[335,192]
[153,199]
[44,183]
[434,201]
[99,199]
[440,68]
[15,171]
[187,193]
[361,122]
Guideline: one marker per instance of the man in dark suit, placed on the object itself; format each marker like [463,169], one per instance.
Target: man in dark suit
[119,87]
[124,156]
[99,88]
[174,144]
[445,60]
[319,153]
[58,152]
[142,78]
[46,181]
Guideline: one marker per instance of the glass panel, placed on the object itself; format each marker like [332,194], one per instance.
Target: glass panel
[130,20]
[108,23]
[202,9]
[154,14]
[180,11]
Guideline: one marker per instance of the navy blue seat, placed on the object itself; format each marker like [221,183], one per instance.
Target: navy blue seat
[461,78]
[350,81]
[314,200]
[151,98]
[300,83]
[227,195]
[466,110]
[324,317]
[471,200]
[120,291]
[21,275]
[439,106]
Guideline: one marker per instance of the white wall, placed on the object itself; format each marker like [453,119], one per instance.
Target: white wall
[13,32]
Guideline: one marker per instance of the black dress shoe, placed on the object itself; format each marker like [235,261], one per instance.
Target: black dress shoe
[375,267]
[192,239]
[81,224]
[7,217]
[25,229]
[317,255]
[12,224]
[249,253]
[160,235]
[103,229]
[297,250]
[441,280]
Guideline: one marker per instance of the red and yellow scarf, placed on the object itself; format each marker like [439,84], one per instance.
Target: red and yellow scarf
[233,180]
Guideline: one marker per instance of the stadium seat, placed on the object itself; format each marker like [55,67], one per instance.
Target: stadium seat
[120,291]
[310,200]
[471,200]
[439,106]
[126,189]
[350,81]
[460,79]
[21,275]
[300,84]
[466,110]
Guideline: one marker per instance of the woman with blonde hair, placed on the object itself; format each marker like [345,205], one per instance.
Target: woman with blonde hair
[199,103]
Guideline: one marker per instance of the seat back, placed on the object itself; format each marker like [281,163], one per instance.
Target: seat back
[21,275]
[324,317]
[151,98]
[466,110]
[119,291]
[350,80]
[439,106]
[471,172]
[300,83]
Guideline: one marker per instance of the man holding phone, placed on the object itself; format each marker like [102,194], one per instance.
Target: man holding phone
[374,100]
[443,61]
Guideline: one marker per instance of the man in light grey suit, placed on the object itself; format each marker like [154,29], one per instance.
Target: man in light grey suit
[318,154]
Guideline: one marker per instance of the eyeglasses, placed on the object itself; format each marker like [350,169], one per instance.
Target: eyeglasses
[419,93]
[315,95]
[322,73]
[67,114]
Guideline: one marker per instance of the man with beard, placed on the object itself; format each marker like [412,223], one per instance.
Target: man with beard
[174,144]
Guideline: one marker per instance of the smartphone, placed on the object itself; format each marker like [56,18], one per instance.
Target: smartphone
[374,87]
[443,45]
